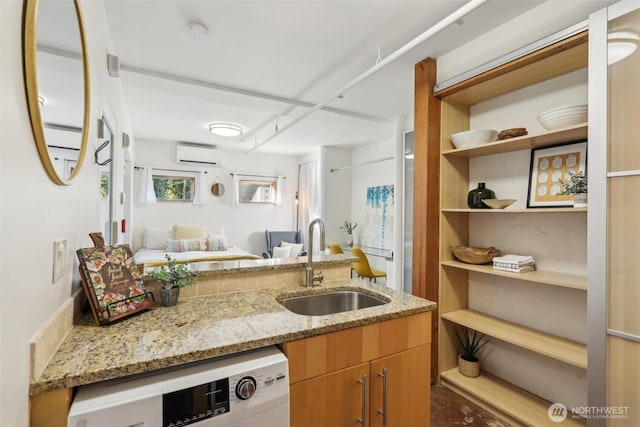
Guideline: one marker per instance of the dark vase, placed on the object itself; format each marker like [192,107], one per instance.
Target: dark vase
[169,297]
[474,199]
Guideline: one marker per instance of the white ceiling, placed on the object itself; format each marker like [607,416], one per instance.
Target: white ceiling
[261,58]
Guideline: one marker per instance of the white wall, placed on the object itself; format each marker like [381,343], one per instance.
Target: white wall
[245,223]
[35,212]
[372,175]
[337,193]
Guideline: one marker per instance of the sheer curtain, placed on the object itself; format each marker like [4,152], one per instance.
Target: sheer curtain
[199,196]
[147,194]
[309,198]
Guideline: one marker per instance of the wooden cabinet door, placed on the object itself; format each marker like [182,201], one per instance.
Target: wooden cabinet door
[334,399]
[407,389]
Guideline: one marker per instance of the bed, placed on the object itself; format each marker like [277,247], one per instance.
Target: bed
[187,244]
[155,257]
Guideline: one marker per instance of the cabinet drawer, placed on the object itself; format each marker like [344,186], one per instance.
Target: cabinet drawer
[310,357]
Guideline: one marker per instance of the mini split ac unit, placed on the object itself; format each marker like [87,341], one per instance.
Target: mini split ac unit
[198,155]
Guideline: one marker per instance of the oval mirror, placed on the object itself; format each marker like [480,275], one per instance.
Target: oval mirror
[217,189]
[57,83]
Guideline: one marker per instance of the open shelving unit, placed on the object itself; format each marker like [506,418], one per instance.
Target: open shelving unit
[548,345]
[495,394]
[537,276]
[511,403]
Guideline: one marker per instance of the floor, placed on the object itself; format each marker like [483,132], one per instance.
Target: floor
[451,409]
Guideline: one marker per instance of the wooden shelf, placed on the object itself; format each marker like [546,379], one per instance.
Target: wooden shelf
[507,210]
[560,58]
[538,276]
[505,399]
[548,345]
[547,139]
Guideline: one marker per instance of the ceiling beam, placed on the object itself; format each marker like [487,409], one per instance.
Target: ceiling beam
[246,92]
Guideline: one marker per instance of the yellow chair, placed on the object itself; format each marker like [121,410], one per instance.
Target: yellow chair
[334,248]
[362,267]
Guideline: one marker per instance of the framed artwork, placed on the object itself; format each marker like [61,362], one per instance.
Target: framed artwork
[550,168]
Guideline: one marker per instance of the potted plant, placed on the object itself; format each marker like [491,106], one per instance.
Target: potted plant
[349,226]
[468,362]
[173,276]
[577,186]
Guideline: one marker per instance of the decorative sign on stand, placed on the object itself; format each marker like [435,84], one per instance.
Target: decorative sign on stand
[112,282]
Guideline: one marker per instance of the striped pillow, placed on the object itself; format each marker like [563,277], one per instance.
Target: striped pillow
[184,245]
[217,242]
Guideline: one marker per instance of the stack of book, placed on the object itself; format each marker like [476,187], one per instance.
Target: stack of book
[514,263]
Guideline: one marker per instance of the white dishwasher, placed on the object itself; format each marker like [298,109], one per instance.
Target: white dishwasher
[245,390]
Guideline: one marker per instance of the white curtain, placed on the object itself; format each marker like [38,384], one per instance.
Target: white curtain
[147,195]
[309,199]
[198,197]
[234,200]
[279,191]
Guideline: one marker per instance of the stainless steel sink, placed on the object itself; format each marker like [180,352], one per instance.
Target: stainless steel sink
[330,302]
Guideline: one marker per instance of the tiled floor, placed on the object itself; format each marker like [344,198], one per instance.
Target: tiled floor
[451,409]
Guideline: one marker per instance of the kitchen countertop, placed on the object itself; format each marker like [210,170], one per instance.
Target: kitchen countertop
[217,268]
[204,327]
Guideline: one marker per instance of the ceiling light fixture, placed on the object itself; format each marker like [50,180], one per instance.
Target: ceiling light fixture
[197,30]
[225,129]
[620,45]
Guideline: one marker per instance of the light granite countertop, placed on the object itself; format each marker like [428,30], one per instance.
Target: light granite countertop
[205,327]
[216,268]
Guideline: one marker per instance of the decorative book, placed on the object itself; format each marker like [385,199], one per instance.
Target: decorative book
[112,282]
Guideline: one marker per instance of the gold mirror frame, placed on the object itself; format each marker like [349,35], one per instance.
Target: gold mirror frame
[30,40]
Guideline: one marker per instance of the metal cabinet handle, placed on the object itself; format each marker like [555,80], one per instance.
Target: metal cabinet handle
[383,411]
[363,418]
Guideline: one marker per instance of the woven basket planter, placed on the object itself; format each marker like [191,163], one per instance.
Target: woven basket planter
[468,369]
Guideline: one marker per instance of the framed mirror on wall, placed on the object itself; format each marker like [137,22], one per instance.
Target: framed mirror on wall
[56,73]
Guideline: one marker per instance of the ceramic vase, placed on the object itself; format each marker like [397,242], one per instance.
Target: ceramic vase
[169,297]
[580,200]
[468,369]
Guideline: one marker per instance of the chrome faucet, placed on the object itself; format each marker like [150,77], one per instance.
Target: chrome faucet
[311,278]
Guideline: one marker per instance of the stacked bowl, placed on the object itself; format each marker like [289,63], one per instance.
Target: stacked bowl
[563,116]
[471,138]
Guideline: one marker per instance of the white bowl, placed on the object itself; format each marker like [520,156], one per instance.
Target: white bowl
[563,117]
[471,138]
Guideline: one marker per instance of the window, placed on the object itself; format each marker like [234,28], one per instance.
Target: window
[251,191]
[174,188]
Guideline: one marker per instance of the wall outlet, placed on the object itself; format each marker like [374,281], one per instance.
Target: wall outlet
[59,258]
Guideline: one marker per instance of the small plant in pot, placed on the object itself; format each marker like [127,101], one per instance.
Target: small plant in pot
[468,362]
[349,226]
[173,276]
[577,186]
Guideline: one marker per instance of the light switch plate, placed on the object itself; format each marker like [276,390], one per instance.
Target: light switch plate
[59,258]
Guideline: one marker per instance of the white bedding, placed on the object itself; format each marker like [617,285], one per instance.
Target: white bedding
[151,257]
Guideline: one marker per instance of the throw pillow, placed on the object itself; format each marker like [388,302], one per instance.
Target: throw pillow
[181,232]
[217,242]
[282,252]
[296,248]
[155,238]
[184,245]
